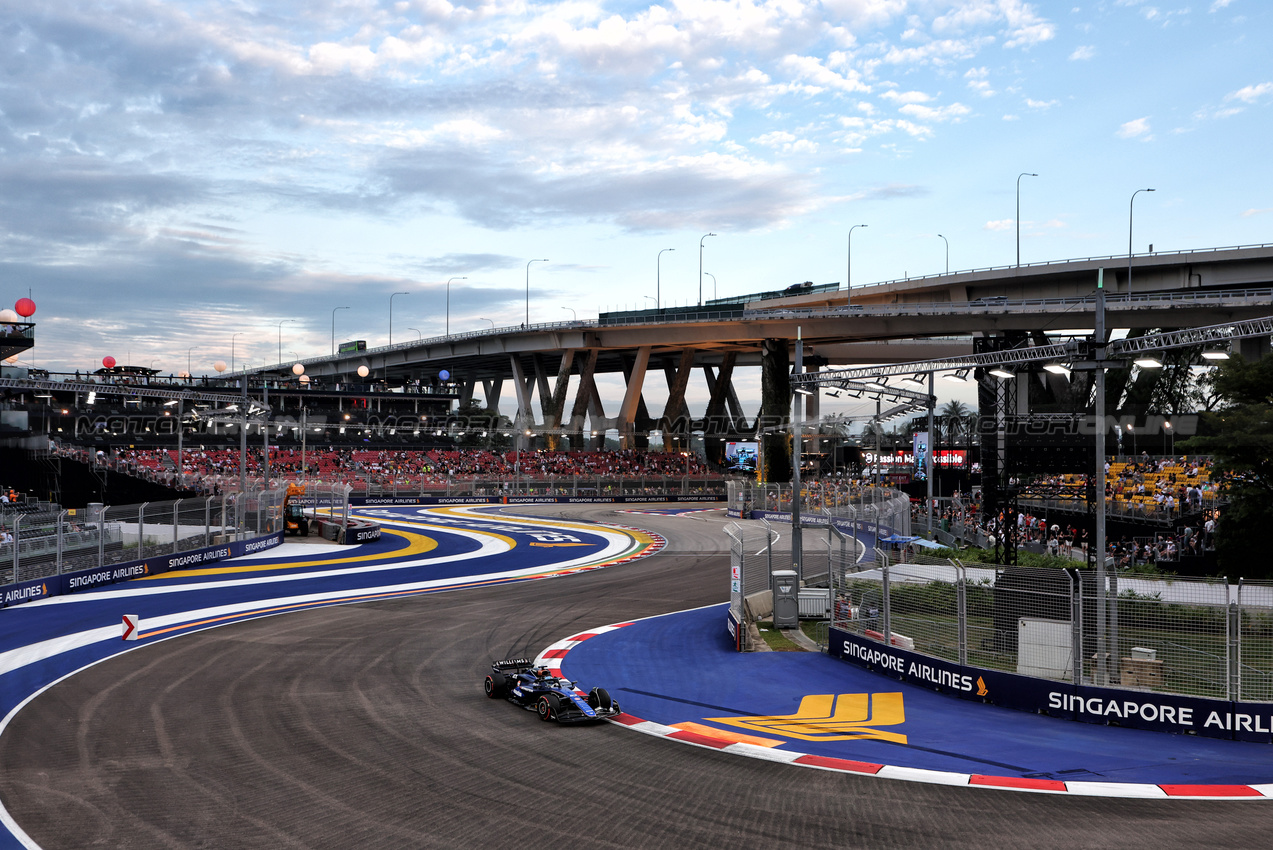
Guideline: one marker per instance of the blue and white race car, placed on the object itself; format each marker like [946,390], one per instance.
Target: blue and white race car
[519,681]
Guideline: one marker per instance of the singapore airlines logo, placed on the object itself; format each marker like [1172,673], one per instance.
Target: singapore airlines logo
[828,717]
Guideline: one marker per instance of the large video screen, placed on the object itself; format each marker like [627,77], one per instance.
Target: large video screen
[741,457]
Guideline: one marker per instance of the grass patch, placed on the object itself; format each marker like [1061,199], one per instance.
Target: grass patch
[777,641]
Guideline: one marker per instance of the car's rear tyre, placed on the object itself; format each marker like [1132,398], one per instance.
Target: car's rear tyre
[599,698]
[546,707]
[496,685]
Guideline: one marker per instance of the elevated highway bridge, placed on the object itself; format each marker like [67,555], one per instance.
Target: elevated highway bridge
[556,364]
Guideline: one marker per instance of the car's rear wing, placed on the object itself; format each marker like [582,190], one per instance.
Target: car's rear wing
[514,664]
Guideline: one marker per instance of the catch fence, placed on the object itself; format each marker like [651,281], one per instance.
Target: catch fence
[1189,636]
[47,541]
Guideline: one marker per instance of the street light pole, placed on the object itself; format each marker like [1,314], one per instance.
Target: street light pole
[391,297]
[418,335]
[448,302]
[280,338]
[947,241]
[1019,176]
[1131,208]
[848,266]
[700,267]
[574,317]
[484,319]
[713,277]
[658,278]
[232,336]
[527,324]
[334,309]
[188,350]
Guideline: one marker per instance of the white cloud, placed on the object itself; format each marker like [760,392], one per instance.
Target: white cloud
[1082,53]
[1250,94]
[810,68]
[1217,5]
[1136,129]
[978,82]
[786,142]
[906,97]
[1001,224]
[1025,28]
[953,112]
[937,53]
[1040,104]
[1251,212]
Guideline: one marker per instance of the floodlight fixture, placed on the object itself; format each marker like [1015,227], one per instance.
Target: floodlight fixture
[1148,362]
[1000,372]
[1215,354]
[1057,369]
[916,380]
[959,377]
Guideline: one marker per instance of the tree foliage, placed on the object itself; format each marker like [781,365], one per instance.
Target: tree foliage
[1239,437]
[481,427]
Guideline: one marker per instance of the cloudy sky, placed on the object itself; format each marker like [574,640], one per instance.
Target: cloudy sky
[175,172]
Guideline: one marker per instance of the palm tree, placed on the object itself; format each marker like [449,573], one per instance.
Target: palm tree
[954,416]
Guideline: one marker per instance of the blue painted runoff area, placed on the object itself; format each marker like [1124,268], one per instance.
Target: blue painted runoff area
[681,668]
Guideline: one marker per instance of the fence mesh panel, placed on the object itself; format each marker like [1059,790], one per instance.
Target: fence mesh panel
[1255,641]
[1191,636]
[48,542]
[924,608]
[1169,635]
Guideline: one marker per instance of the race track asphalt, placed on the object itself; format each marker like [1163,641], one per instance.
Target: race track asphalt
[364,726]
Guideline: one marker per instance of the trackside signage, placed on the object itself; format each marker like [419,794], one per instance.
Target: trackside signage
[82,580]
[1209,718]
[365,534]
[366,501]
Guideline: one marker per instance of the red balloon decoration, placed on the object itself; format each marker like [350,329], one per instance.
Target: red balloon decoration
[108,362]
[25,307]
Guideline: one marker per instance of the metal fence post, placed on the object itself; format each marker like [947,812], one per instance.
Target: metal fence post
[961,603]
[101,535]
[887,605]
[1233,624]
[17,544]
[176,524]
[1076,625]
[769,552]
[61,532]
[141,529]
[207,520]
[1238,639]
[1115,672]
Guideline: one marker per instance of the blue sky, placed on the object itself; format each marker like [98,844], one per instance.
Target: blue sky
[177,172]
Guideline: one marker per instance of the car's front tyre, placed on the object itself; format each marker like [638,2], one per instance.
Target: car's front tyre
[599,698]
[547,707]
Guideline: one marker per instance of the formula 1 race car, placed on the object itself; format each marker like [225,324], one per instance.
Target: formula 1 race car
[520,682]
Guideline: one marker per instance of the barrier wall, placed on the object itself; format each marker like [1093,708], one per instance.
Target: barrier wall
[83,580]
[848,526]
[1209,718]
